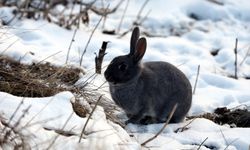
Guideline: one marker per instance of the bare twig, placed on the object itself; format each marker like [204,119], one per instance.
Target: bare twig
[164,126]
[202,143]
[181,129]
[124,12]
[9,47]
[14,113]
[99,57]
[224,137]
[105,12]
[138,20]
[142,19]
[54,140]
[236,59]
[90,37]
[72,40]
[13,128]
[85,125]
[245,57]
[232,143]
[141,9]
[196,80]
[216,2]
[48,57]
[39,112]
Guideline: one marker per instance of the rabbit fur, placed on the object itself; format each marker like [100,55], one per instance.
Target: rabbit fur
[148,91]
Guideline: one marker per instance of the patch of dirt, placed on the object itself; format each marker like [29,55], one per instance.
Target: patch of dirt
[35,80]
[223,115]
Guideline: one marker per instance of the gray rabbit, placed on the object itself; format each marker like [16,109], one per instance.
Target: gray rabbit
[147,91]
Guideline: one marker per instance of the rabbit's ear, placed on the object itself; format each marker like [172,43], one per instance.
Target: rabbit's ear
[134,38]
[140,49]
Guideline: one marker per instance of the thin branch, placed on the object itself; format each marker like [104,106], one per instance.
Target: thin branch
[99,57]
[236,59]
[32,118]
[164,126]
[9,47]
[181,129]
[245,57]
[14,113]
[143,19]
[224,137]
[72,40]
[124,12]
[196,80]
[49,57]
[54,140]
[85,49]
[232,143]
[202,143]
[105,12]
[85,125]
[142,7]
[25,111]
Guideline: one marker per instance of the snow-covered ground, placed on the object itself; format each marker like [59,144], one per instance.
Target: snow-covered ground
[184,42]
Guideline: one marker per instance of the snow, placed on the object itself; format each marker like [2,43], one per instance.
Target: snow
[217,28]
[53,112]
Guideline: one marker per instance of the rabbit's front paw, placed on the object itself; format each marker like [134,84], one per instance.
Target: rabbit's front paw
[135,119]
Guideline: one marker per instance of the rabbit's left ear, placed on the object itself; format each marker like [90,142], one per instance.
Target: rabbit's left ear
[140,49]
[133,40]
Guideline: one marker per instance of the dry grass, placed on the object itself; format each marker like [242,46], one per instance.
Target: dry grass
[36,80]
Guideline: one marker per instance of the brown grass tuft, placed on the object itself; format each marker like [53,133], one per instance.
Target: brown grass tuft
[36,80]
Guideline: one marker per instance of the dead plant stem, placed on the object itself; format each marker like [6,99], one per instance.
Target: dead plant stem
[90,37]
[71,42]
[202,143]
[196,80]
[66,122]
[236,59]
[122,18]
[164,126]
[85,125]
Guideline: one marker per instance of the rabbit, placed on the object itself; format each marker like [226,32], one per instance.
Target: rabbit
[147,92]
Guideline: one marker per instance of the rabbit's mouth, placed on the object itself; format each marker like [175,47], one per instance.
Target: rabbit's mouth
[109,79]
[112,81]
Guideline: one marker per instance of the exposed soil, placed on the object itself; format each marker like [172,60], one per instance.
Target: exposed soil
[233,117]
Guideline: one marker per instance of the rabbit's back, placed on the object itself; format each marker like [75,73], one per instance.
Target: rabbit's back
[165,85]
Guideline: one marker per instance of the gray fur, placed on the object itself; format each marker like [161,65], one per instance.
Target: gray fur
[148,91]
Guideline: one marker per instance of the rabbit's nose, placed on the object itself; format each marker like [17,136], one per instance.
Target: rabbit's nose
[106,75]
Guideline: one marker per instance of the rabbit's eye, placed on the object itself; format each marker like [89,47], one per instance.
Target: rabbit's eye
[123,67]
